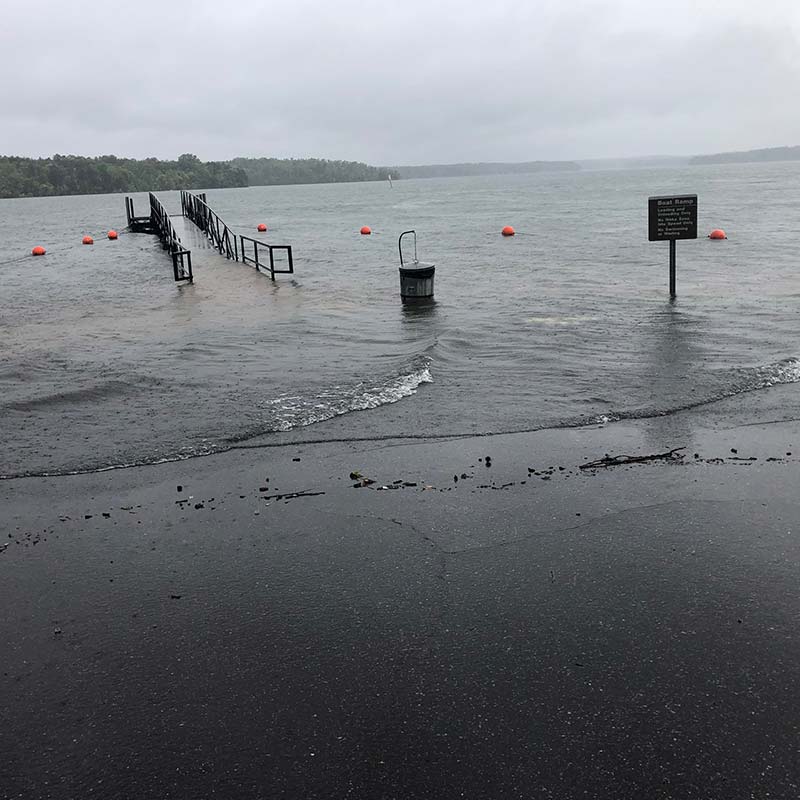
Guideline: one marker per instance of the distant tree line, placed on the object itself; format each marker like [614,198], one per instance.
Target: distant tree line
[29,177]
[745,156]
[269,171]
[60,175]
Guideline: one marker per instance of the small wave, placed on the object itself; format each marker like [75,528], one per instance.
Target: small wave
[287,412]
[745,380]
[70,398]
[282,413]
[560,320]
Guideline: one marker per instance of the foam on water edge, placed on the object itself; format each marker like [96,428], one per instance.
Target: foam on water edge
[786,371]
[292,411]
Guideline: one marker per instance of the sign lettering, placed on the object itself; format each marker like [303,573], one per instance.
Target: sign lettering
[672,217]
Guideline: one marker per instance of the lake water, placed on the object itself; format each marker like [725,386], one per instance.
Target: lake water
[106,361]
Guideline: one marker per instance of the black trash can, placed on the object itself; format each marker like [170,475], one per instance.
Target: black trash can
[416,277]
[416,281]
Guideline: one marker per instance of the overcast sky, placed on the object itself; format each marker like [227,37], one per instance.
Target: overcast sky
[400,81]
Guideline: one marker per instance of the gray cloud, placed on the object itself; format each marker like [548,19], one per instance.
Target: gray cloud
[399,82]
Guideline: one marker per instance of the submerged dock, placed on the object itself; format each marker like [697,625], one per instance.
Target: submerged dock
[159,224]
[276,259]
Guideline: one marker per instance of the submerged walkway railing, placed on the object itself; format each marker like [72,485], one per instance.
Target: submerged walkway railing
[198,211]
[160,224]
[273,249]
[261,255]
[137,224]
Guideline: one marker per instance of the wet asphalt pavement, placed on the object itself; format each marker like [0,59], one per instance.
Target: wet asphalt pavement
[530,630]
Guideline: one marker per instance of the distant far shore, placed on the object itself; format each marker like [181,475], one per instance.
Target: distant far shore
[61,175]
[485,168]
[750,156]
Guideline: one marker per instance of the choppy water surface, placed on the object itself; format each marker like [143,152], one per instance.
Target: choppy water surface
[106,361]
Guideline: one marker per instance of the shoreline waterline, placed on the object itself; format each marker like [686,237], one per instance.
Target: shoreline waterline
[294,438]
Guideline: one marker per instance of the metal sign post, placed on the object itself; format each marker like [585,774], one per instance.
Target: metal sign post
[669,219]
[672,249]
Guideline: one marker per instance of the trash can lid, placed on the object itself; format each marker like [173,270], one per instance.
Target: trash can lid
[411,266]
[417,270]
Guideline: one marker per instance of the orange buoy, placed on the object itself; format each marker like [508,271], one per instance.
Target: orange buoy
[38,250]
[366,230]
[717,233]
[113,235]
[262,227]
[88,240]
[508,231]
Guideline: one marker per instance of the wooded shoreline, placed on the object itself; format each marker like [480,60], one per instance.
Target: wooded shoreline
[76,175]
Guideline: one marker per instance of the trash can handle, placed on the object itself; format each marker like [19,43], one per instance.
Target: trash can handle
[400,246]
